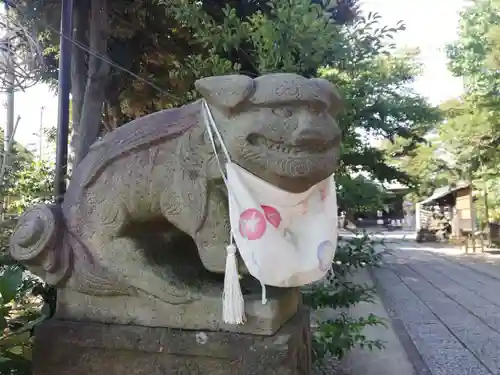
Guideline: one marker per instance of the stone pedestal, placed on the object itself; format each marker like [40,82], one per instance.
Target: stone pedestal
[202,314]
[85,348]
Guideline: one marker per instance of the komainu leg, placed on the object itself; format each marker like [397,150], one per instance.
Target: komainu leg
[213,236]
[122,257]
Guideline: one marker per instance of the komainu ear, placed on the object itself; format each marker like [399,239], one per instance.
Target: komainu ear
[225,92]
[332,93]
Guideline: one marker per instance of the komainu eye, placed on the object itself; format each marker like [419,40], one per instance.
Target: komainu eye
[315,110]
[283,112]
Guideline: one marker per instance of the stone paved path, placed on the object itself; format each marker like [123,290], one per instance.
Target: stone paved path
[447,308]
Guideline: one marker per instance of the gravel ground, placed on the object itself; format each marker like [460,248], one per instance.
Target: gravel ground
[331,367]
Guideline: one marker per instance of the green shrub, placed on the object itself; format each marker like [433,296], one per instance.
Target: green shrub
[24,302]
[335,337]
[20,311]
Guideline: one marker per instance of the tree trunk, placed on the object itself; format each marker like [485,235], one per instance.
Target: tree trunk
[97,78]
[78,69]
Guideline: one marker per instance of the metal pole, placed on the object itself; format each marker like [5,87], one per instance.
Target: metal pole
[64,92]
[40,144]
[9,126]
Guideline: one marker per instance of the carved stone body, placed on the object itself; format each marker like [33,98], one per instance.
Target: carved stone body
[157,177]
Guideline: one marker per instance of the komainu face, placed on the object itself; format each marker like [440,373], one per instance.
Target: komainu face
[280,127]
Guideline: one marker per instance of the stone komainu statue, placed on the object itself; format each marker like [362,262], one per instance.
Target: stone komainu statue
[159,172]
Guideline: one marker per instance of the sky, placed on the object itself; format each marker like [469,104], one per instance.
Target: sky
[431,24]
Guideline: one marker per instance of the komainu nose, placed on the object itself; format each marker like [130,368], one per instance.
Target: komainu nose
[301,136]
[316,139]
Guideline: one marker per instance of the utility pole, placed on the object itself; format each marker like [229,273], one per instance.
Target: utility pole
[10,78]
[40,144]
[64,91]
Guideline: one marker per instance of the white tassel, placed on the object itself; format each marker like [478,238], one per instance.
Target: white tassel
[264,295]
[233,304]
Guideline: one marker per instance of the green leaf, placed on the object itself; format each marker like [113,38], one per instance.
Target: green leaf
[26,328]
[12,341]
[10,281]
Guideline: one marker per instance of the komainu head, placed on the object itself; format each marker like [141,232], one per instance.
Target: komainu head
[277,126]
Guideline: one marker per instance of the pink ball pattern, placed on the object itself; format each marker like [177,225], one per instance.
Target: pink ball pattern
[252,224]
[272,215]
[323,193]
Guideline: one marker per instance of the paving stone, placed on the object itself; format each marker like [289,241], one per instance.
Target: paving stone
[459,271]
[476,272]
[468,328]
[442,352]
[481,284]
[469,282]
[484,309]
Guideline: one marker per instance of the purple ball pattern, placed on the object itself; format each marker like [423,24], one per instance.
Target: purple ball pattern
[325,253]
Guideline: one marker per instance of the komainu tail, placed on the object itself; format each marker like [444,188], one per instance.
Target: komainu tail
[42,242]
[38,243]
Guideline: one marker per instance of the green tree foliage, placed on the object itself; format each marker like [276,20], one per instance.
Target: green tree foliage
[358,57]
[33,184]
[21,294]
[171,43]
[469,137]
[18,156]
[359,195]
[19,313]
[428,164]
[24,182]
[475,55]
[465,145]
[473,129]
[146,38]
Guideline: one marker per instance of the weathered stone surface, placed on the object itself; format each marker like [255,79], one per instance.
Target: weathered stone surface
[202,314]
[78,348]
[145,187]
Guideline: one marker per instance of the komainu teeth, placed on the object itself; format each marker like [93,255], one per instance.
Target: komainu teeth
[280,147]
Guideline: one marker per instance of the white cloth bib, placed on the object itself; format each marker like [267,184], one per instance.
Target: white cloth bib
[285,239]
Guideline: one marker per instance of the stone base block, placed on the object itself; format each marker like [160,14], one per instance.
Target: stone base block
[204,313]
[83,348]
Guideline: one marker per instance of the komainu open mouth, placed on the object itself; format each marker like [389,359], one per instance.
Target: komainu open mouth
[304,147]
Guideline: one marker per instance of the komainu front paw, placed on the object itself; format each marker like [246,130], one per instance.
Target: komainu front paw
[213,258]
